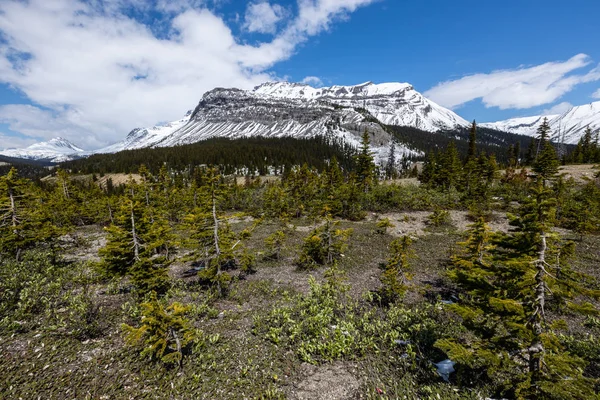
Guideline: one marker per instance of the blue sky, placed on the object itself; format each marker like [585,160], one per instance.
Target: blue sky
[92,70]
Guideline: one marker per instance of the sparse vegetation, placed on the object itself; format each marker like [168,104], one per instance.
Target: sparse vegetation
[187,283]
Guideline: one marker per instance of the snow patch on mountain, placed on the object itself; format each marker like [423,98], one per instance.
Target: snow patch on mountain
[54,150]
[568,126]
[282,109]
[391,103]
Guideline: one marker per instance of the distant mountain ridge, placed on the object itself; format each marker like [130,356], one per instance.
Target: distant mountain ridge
[55,150]
[282,109]
[569,125]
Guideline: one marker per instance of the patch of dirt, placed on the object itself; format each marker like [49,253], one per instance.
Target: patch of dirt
[85,243]
[414,223]
[287,275]
[577,172]
[328,382]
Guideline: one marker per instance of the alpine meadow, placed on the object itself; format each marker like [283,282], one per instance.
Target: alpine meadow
[312,240]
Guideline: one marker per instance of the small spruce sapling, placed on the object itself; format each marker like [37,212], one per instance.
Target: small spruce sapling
[395,274]
[164,333]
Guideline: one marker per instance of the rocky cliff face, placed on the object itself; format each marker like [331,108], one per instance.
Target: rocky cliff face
[280,109]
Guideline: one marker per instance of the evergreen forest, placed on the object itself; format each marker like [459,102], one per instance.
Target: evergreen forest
[284,268]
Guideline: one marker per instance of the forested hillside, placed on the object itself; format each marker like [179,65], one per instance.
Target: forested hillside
[260,156]
[183,282]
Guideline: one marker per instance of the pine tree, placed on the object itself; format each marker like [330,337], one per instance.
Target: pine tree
[390,168]
[506,285]
[517,153]
[138,243]
[211,234]
[472,141]
[365,165]
[395,274]
[24,218]
[530,155]
[164,333]
[543,136]
[324,245]
[546,164]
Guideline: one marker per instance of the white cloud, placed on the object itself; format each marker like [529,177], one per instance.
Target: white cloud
[596,94]
[35,122]
[99,73]
[523,87]
[263,17]
[313,81]
[8,141]
[558,108]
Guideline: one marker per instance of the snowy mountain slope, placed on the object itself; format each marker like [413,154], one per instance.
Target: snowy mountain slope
[571,124]
[391,103]
[279,109]
[55,150]
[145,137]
[234,113]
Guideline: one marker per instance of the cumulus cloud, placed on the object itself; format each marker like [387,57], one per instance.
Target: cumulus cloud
[596,94]
[519,88]
[263,17]
[96,72]
[313,81]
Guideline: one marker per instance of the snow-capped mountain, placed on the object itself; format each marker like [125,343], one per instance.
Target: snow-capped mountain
[570,125]
[54,150]
[391,103]
[235,113]
[279,109]
[145,137]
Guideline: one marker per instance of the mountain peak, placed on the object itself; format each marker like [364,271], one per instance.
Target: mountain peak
[56,149]
[568,126]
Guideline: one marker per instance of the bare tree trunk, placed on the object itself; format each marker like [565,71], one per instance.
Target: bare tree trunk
[178,343]
[216,238]
[329,243]
[536,349]
[13,210]
[110,214]
[136,242]
[65,190]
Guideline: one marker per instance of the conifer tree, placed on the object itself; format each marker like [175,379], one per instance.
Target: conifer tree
[395,274]
[24,219]
[546,164]
[472,141]
[211,234]
[164,332]
[530,154]
[365,165]
[506,289]
[138,244]
[323,245]
[390,168]
[543,136]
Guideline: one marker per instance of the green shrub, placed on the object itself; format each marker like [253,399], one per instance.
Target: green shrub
[439,217]
[323,245]
[395,274]
[39,291]
[164,333]
[275,243]
[382,225]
